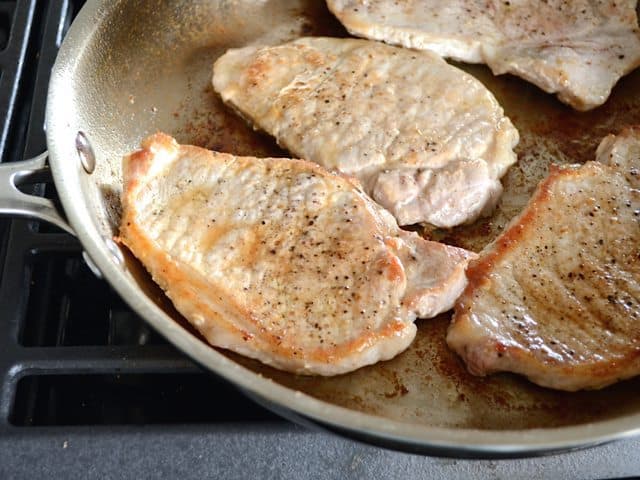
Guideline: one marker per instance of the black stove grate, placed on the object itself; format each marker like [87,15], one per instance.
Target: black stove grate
[16,21]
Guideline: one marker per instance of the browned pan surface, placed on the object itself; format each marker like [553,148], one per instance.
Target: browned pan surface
[149,69]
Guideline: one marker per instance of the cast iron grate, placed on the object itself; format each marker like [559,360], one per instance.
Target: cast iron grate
[71,351]
[16,20]
[6,16]
[138,399]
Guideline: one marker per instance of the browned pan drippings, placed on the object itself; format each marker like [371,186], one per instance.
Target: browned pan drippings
[164,83]
[428,383]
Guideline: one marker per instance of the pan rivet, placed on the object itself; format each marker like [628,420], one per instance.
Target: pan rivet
[92,266]
[116,253]
[85,153]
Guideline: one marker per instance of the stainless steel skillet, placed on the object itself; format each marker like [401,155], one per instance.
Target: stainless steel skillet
[129,68]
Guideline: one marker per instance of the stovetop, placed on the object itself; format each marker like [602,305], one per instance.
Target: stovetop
[88,390]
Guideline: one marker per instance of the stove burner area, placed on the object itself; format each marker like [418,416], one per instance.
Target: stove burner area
[6,15]
[88,390]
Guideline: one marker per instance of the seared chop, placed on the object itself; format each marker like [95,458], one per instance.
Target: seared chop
[577,49]
[557,296]
[426,140]
[280,260]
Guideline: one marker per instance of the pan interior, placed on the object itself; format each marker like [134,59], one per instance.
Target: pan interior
[147,67]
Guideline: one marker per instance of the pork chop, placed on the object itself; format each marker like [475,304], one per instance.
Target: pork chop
[557,296]
[577,49]
[426,140]
[280,260]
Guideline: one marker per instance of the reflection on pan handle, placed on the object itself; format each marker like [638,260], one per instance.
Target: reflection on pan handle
[13,202]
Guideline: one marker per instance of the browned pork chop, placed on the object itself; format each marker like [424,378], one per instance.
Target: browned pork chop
[280,260]
[577,49]
[427,141]
[557,296]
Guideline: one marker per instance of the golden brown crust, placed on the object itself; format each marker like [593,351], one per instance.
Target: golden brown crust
[520,228]
[555,296]
[225,315]
[184,290]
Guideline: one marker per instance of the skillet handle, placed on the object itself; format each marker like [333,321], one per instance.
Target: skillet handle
[15,203]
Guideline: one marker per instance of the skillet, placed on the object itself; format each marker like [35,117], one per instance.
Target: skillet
[129,68]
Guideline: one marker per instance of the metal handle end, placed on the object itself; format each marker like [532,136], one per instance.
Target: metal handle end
[13,202]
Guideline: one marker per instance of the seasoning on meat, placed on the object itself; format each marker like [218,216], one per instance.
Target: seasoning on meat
[577,49]
[426,140]
[557,296]
[280,260]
